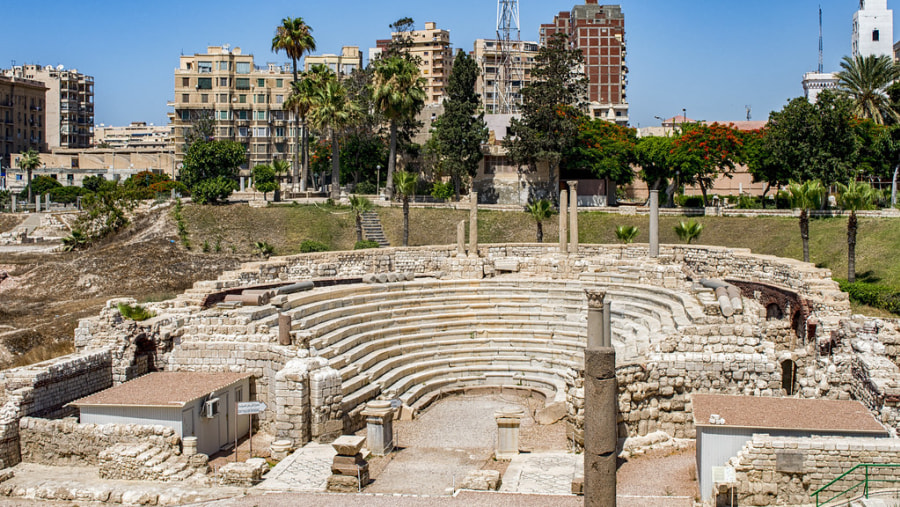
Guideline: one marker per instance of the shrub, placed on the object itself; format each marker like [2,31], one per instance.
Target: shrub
[135,312]
[263,249]
[748,202]
[689,201]
[92,183]
[213,191]
[626,233]
[877,296]
[366,187]
[67,195]
[688,231]
[166,187]
[362,245]
[78,239]
[313,246]
[783,200]
[40,185]
[442,190]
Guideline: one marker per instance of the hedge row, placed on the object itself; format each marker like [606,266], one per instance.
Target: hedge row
[877,296]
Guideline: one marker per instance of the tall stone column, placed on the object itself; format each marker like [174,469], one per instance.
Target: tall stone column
[573,216]
[654,224]
[13,203]
[563,221]
[47,202]
[473,224]
[600,409]
[242,184]
[461,238]
[37,203]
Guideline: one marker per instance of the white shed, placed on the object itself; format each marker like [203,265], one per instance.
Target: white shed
[192,403]
[725,423]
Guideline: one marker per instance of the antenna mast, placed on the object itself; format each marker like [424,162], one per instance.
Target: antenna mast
[505,101]
[820,40]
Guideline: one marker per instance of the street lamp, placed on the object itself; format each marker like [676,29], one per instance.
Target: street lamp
[378,179]
[662,122]
[683,117]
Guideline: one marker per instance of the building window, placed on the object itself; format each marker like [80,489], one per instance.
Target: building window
[204,98]
[242,67]
[260,98]
[261,132]
[279,99]
[204,83]
[223,115]
[241,115]
[261,83]
[185,98]
[279,83]
[261,115]
[875,35]
[242,99]
[204,67]
[223,97]
[185,82]
[223,81]
[243,131]
[242,83]
[279,131]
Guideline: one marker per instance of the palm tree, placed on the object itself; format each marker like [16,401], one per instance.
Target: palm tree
[626,233]
[29,161]
[805,197]
[405,184]
[332,111]
[688,231]
[360,205]
[294,37]
[864,80]
[399,93]
[854,196]
[540,210]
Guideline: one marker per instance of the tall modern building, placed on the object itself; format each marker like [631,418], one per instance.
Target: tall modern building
[245,100]
[343,64]
[487,53]
[69,102]
[599,32]
[873,29]
[22,113]
[432,47]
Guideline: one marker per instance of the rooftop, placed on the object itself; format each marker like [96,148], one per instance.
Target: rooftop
[162,389]
[768,413]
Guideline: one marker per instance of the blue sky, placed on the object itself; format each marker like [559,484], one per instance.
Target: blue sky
[711,57]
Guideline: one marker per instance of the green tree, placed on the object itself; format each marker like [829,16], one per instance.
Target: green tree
[806,196]
[864,81]
[203,127]
[688,231]
[540,210]
[545,131]
[360,206]
[264,179]
[854,196]
[405,184]
[93,183]
[28,162]
[654,155]
[41,185]
[213,160]
[703,152]
[332,111]
[398,91]
[762,165]
[364,148]
[606,150]
[460,131]
[294,37]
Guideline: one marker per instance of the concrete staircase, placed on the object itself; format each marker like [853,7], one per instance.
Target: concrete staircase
[372,231]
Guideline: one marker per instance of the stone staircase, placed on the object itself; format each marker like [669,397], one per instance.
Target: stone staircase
[372,231]
[148,462]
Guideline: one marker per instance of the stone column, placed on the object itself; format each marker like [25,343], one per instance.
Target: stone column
[379,427]
[654,224]
[13,203]
[563,221]
[508,420]
[473,224]
[461,238]
[242,183]
[47,202]
[189,446]
[573,216]
[284,329]
[37,203]
[600,411]
[596,318]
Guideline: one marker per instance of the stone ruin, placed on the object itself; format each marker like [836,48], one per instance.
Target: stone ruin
[409,325]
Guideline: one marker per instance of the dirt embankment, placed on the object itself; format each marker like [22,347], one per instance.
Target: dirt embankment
[45,294]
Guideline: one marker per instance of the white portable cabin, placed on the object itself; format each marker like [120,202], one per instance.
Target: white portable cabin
[726,423]
[192,403]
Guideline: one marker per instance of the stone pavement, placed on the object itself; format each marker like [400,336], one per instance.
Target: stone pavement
[548,473]
[307,469]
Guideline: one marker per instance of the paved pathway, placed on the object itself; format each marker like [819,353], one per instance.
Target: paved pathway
[307,469]
[548,473]
[30,224]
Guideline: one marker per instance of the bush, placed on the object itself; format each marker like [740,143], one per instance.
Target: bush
[362,245]
[366,187]
[689,201]
[263,249]
[877,296]
[749,202]
[688,231]
[135,312]
[67,195]
[313,246]
[626,233]
[40,185]
[213,191]
[442,190]
[783,200]
[92,183]
[166,187]
[146,179]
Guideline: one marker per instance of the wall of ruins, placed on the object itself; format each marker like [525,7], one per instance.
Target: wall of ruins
[66,442]
[787,470]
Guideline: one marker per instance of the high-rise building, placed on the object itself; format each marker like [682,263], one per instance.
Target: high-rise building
[343,64]
[873,29]
[599,32]
[136,135]
[432,47]
[69,102]
[489,58]
[246,102]
[22,113]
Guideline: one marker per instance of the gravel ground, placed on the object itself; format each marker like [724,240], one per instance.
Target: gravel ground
[660,472]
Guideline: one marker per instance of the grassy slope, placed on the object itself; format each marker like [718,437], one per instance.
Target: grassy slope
[285,227]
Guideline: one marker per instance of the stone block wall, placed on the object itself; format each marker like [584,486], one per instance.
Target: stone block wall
[787,470]
[295,412]
[325,399]
[66,442]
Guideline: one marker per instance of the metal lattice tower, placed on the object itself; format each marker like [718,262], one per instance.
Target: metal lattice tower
[506,100]
[820,41]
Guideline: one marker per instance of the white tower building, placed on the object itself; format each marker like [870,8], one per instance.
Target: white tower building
[873,29]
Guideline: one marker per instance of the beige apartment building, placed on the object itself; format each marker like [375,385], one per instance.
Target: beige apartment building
[136,135]
[69,103]
[350,59]
[245,100]
[22,113]
[432,47]
[490,84]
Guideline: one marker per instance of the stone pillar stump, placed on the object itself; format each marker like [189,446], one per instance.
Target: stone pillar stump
[573,217]
[379,427]
[563,221]
[508,421]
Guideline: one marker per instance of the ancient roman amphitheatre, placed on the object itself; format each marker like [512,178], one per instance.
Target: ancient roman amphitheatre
[439,355]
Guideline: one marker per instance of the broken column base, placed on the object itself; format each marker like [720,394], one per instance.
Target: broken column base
[351,472]
[345,484]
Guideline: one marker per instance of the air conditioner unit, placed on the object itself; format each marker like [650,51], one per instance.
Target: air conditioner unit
[211,408]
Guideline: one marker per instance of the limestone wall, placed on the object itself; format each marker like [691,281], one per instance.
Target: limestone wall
[787,470]
[66,442]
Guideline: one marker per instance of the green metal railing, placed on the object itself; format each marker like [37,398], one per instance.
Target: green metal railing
[865,483]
